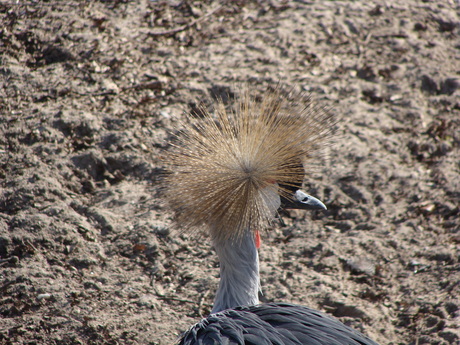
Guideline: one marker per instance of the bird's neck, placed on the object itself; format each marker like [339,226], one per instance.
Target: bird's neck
[239,273]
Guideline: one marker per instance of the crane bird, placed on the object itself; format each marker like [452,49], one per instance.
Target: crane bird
[230,171]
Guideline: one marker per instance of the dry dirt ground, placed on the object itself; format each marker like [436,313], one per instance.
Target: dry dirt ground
[90,94]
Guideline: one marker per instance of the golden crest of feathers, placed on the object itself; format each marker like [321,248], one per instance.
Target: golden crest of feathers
[225,167]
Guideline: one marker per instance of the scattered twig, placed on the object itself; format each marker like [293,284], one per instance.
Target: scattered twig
[175,299]
[391,36]
[186,26]
[91,93]
[172,298]
[202,303]
[28,243]
[12,259]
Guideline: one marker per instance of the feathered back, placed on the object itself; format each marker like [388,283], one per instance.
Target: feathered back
[226,167]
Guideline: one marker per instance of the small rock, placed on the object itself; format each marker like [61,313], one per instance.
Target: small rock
[376,11]
[449,86]
[149,301]
[366,73]
[419,27]
[44,296]
[361,265]
[110,86]
[429,85]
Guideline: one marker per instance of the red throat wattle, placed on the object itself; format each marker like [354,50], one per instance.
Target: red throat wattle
[257,239]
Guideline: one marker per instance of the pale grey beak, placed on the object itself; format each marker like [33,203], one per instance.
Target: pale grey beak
[302,201]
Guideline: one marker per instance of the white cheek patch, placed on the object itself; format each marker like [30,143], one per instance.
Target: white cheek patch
[301,196]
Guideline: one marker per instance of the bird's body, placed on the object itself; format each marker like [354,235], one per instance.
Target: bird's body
[230,173]
[272,323]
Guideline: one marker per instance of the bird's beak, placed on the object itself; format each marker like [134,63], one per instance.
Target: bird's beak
[303,201]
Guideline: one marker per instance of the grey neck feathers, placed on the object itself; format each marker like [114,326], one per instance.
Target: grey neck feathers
[239,273]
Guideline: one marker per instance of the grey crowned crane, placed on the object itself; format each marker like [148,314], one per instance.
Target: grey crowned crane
[230,173]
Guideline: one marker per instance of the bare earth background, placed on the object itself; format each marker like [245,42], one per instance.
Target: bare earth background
[90,92]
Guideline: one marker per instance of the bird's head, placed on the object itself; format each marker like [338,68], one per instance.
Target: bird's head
[231,170]
[302,201]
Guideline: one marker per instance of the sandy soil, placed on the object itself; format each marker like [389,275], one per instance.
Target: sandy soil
[89,94]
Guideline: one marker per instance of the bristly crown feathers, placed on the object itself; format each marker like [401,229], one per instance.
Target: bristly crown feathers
[226,166]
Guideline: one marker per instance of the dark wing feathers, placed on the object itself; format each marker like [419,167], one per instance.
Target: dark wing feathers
[272,324]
